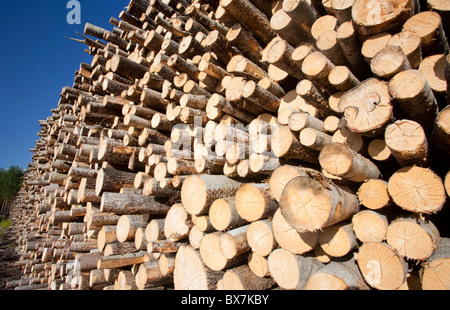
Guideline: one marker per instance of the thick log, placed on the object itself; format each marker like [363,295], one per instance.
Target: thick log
[309,203]
[367,107]
[255,201]
[381,266]
[371,17]
[242,278]
[190,271]
[291,271]
[417,189]
[413,238]
[434,271]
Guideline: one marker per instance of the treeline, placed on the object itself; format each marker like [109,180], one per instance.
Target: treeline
[10,183]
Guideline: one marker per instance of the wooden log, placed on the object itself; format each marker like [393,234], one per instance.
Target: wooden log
[316,67]
[371,17]
[127,68]
[351,46]
[282,175]
[441,130]
[411,91]
[433,67]
[117,261]
[223,214]
[212,255]
[112,180]
[338,240]
[410,44]
[177,223]
[242,278]
[308,206]
[408,143]
[289,238]
[190,271]
[327,43]
[291,271]
[389,61]
[428,26]
[198,192]
[260,237]
[370,226]
[338,159]
[374,44]
[381,266]
[149,275]
[285,144]
[127,226]
[413,238]
[428,195]
[367,108]
[251,17]
[131,204]
[255,201]
[337,276]
[373,194]
[302,13]
[434,271]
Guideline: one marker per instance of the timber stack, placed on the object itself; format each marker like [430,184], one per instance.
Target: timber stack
[245,144]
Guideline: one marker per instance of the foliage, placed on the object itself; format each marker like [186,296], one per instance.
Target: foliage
[10,182]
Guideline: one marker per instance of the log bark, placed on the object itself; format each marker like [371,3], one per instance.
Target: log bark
[198,192]
[411,91]
[337,276]
[242,278]
[436,267]
[131,204]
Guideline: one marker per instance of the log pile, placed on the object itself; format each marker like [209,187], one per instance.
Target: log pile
[243,144]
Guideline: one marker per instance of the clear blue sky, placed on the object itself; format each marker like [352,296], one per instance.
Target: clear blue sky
[37,62]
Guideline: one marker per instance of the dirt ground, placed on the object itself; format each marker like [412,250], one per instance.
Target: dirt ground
[8,256]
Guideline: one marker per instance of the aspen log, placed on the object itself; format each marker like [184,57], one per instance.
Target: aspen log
[367,107]
[373,194]
[417,189]
[337,276]
[434,273]
[131,204]
[255,201]
[198,192]
[413,238]
[291,271]
[308,204]
[381,266]
[408,143]
[370,226]
[190,271]
[371,17]
[242,278]
[338,159]
[411,91]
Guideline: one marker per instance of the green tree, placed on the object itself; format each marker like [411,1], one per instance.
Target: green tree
[10,184]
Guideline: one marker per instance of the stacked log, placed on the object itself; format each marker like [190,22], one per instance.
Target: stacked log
[242,144]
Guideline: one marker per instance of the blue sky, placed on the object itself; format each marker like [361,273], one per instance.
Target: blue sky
[36,63]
